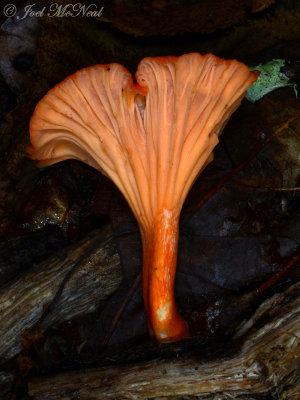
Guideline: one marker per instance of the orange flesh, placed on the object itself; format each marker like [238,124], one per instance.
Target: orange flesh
[152,139]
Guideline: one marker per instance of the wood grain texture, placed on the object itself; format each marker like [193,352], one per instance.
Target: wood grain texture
[22,302]
[265,359]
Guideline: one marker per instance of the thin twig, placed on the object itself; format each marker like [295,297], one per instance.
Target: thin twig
[270,282]
[221,183]
[68,275]
[118,314]
[277,189]
[237,169]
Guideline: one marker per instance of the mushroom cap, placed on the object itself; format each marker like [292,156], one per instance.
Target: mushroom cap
[152,138]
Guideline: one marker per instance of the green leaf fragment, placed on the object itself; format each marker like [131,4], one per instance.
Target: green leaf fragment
[270,78]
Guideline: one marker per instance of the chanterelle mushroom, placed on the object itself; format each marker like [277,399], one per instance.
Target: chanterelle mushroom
[152,138]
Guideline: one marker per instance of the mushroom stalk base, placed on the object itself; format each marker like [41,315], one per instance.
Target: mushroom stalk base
[160,244]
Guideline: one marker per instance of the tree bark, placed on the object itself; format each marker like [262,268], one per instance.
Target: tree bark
[267,358]
[23,301]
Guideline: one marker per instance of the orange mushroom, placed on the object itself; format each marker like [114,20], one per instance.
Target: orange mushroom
[152,139]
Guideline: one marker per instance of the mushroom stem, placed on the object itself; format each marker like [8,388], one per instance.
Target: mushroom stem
[160,244]
[152,138]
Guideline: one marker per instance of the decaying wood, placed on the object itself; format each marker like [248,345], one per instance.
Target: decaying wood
[266,359]
[6,377]
[22,302]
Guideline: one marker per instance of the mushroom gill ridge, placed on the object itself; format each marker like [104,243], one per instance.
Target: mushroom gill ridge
[152,138]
